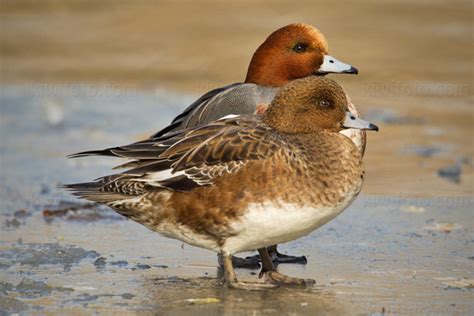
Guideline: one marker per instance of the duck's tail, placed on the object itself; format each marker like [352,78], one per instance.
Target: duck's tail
[123,193]
[108,190]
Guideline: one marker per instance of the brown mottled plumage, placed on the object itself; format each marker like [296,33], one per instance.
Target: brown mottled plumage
[230,185]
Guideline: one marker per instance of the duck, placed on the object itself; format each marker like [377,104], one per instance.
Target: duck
[294,51]
[244,182]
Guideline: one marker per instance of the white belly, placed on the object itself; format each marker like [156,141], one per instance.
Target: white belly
[274,223]
[182,233]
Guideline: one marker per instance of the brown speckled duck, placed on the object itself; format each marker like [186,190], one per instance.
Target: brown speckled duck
[244,182]
[295,51]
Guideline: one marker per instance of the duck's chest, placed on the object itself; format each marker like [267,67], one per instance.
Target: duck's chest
[306,194]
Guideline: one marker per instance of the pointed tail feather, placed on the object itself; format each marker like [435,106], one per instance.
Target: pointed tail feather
[103,152]
[94,191]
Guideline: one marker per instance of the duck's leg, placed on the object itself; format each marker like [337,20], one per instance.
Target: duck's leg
[276,257]
[231,279]
[274,277]
[242,263]
[253,262]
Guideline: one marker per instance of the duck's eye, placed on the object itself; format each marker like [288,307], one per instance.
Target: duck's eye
[324,103]
[300,47]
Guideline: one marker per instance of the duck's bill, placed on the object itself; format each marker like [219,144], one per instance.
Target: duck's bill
[351,121]
[332,65]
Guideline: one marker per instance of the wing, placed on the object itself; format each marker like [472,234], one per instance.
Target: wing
[191,158]
[237,98]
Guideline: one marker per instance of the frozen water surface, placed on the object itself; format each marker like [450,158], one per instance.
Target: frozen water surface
[389,254]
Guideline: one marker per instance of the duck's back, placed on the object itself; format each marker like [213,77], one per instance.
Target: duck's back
[237,99]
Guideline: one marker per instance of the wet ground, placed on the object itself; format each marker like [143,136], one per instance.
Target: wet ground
[59,254]
[80,75]
[392,255]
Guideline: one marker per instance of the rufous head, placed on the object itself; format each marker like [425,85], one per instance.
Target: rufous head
[292,52]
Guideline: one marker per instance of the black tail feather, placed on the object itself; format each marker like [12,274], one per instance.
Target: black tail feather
[104,152]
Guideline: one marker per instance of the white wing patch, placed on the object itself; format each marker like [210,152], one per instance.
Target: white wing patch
[230,116]
[162,175]
[154,178]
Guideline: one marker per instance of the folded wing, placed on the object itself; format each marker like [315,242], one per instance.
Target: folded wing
[184,160]
[237,98]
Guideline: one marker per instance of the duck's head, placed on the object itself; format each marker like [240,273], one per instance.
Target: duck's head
[312,105]
[292,52]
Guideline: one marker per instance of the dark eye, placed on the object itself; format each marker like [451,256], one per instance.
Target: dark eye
[300,47]
[324,103]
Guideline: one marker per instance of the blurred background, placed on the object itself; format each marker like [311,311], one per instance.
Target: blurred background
[414,57]
[79,75]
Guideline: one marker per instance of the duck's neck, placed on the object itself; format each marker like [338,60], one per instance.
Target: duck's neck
[258,74]
[265,70]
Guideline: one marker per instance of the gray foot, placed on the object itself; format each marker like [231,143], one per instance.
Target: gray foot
[274,277]
[250,286]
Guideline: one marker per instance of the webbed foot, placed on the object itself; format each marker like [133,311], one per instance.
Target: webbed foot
[274,277]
